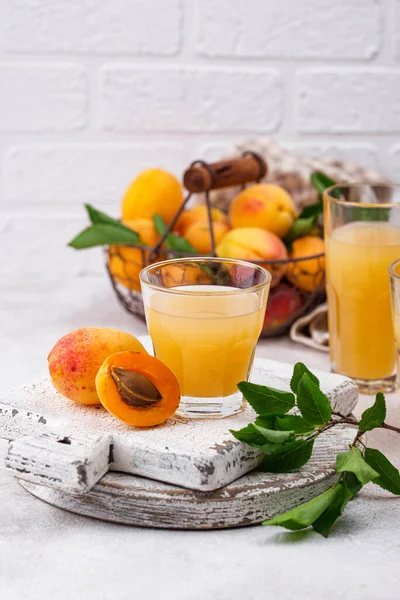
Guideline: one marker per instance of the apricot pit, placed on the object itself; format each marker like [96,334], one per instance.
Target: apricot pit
[135,389]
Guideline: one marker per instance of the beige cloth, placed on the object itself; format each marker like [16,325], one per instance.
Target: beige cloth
[312,329]
[293,171]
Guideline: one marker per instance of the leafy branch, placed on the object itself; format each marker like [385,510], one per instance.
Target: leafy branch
[308,218]
[172,241]
[288,439]
[104,231]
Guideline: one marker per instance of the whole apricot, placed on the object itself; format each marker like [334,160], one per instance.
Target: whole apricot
[263,205]
[198,234]
[196,214]
[307,274]
[125,263]
[154,191]
[188,274]
[255,244]
[76,358]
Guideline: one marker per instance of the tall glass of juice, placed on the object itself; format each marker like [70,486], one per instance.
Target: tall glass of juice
[362,238]
[394,273]
[204,316]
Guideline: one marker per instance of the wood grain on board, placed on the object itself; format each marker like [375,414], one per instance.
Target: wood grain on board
[253,498]
[196,454]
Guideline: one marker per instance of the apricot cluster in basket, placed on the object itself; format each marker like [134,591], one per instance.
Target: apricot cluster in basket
[102,366]
[259,218]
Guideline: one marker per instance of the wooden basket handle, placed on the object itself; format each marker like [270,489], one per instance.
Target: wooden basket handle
[202,176]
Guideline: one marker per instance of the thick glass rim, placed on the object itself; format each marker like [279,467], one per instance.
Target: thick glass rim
[356,184]
[392,267]
[195,259]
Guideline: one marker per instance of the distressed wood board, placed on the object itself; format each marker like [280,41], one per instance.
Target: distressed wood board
[121,498]
[68,446]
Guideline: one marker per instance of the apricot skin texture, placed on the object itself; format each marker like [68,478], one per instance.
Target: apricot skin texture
[199,236]
[255,244]
[76,358]
[197,214]
[264,205]
[125,263]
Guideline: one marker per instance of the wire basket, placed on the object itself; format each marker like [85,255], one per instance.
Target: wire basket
[295,290]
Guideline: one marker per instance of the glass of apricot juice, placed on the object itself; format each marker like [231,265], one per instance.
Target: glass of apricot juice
[394,273]
[205,316]
[362,238]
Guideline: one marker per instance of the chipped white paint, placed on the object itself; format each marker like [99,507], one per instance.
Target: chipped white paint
[201,455]
[121,498]
[73,464]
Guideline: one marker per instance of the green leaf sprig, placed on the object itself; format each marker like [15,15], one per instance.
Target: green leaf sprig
[172,241]
[104,230]
[308,218]
[288,439]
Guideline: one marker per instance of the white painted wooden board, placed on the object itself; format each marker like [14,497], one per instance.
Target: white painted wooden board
[121,498]
[199,454]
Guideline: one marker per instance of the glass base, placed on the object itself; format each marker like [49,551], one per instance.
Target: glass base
[386,385]
[211,408]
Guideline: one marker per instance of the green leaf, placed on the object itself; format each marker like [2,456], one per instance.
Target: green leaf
[98,217]
[172,241]
[375,415]
[262,434]
[103,235]
[301,226]
[179,244]
[159,224]
[312,403]
[321,182]
[249,435]
[351,482]
[312,210]
[266,400]
[323,525]
[274,437]
[306,514]
[389,476]
[370,213]
[267,421]
[353,461]
[293,456]
[293,423]
[298,372]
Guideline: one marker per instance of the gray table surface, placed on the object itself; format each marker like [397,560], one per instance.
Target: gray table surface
[46,553]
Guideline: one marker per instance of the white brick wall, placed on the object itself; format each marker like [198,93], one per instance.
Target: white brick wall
[40,98]
[190,100]
[93,91]
[66,175]
[348,101]
[290,29]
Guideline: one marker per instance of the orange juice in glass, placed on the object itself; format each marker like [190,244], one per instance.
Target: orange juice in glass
[394,272]
[204,316]
[362,238]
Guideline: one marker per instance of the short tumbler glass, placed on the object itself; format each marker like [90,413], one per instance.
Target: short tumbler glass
[204,316]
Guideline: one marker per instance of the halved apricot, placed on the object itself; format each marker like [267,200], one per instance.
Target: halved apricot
[137,388]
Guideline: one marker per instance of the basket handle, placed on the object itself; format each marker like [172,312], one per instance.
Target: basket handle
[202,176]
